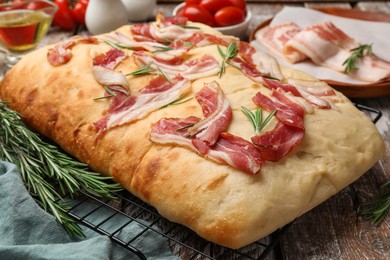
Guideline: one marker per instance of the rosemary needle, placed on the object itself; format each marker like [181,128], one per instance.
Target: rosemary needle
[231,52]
[380,206]
[41,164]
[356,53]
[256,118]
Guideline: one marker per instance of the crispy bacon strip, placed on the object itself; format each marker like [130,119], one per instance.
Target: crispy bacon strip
[192,69]
[62,53]
[218,115]
[156,94]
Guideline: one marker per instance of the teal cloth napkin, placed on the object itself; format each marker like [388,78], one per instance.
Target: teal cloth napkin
[28,232]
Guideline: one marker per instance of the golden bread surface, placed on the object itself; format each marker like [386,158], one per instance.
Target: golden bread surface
[220,203]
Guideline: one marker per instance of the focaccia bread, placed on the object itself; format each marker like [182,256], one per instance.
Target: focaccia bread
[231,201]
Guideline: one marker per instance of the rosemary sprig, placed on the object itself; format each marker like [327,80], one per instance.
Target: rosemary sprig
[185,127]
[111,94]
[256,118]
[231,52]
[161,49]
[356,53]
[164,74]
[190,27]
[380,207]
[42,164]
[177,101]
[143,70]
[118,45]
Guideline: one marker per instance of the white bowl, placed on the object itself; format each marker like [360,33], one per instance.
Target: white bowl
[238,30]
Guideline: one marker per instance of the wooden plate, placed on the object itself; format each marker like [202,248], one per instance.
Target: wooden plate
[348,89]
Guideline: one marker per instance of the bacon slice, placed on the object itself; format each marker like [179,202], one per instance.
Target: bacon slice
[173,131]
[288,112]
[192,69]
[306,91]
[228,149]
[162,32]
[218,115]
[264,63]
[288,133]
[328,46]
[110,59]
[279,142]
[157,93]
[111,78]
[62,53]
[275,37]
[104,73]
[175,49]
[201,39]
[248,69]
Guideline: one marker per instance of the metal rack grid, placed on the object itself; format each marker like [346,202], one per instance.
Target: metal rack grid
[181,240]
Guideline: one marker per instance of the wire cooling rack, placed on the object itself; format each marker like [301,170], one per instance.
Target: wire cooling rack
[182,241]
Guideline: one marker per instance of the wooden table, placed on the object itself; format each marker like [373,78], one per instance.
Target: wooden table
[336,228]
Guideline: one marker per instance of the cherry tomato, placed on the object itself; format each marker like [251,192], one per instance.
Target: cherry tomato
[63,17]
[78,12]
[65,2]
[228,16]
[237,3]
[213,5]
[197,13]
[193,2]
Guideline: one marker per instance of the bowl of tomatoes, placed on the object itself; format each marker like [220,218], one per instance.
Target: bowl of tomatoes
[231,17]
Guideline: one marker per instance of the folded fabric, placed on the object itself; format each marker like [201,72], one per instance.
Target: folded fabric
[28,232]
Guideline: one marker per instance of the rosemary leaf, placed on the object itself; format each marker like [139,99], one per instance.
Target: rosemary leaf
[378,209]
[189,27]
[143,70]
[356,53]
[41,164]
[164,74]
[118,45]
[231,52]
[111,94]
[161,49]
[177,101]
[256,118]
[185,127]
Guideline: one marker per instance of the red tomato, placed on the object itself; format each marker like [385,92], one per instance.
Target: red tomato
[63,17]
[78,12]
[237,3]
[65,2]
[197,13]
[228,16]
[192,2]
[213,5]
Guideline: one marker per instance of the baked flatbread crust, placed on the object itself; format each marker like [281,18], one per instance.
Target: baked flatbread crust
[221,203]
